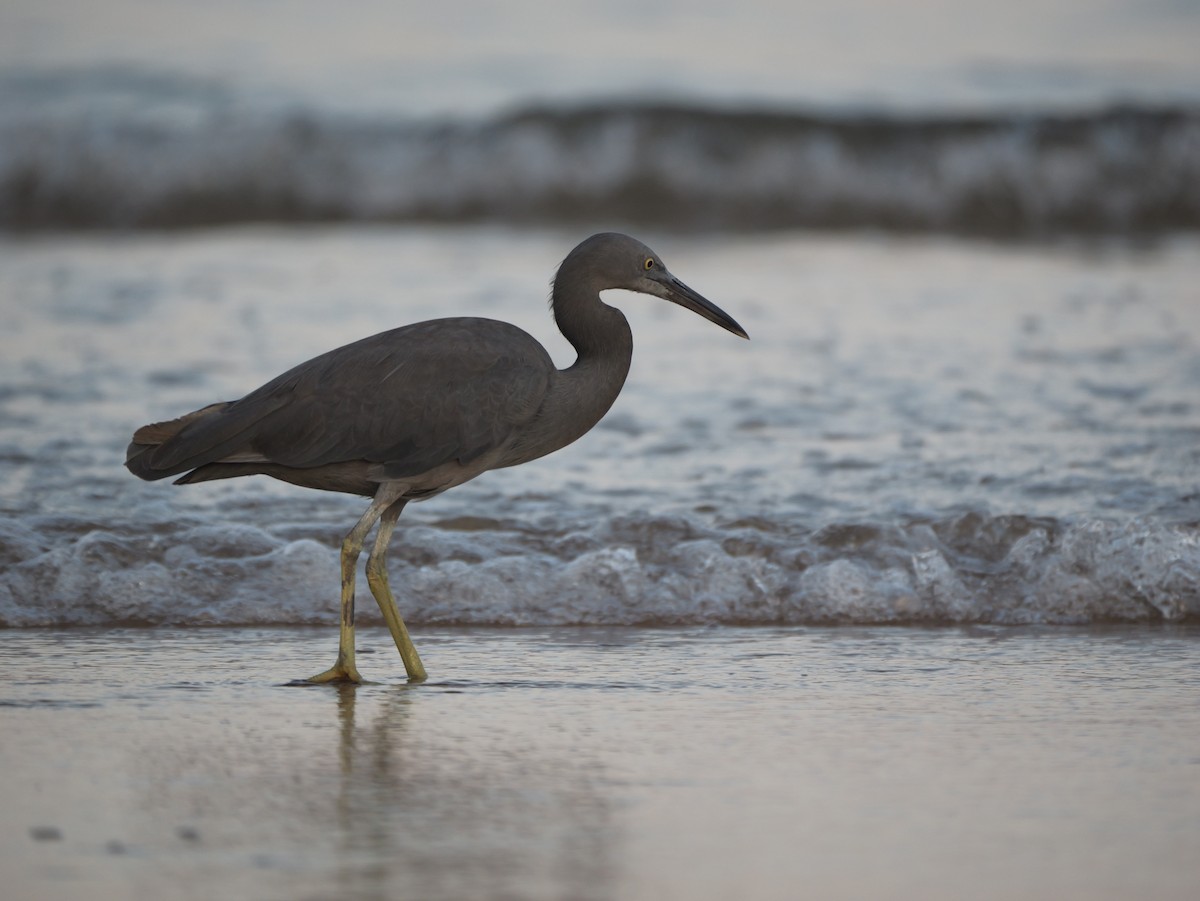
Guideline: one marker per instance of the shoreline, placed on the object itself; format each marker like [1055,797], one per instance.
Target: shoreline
[994,762]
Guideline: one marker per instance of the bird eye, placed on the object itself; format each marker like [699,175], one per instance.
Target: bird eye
[649,262]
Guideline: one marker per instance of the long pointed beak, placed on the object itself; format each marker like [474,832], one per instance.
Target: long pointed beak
[672,289]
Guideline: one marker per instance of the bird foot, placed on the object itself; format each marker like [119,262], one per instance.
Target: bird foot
[339,672]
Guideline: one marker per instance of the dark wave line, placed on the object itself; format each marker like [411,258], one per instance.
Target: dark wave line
[1123,171]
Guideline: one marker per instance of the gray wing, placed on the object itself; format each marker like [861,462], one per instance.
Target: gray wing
[410,399]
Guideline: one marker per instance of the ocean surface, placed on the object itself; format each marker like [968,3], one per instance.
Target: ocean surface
[963,240]
[922,430]
[1035,119]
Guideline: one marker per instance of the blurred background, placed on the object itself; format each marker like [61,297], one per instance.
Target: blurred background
[1030,117]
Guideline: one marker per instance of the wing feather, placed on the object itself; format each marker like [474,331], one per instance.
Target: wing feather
[409,399]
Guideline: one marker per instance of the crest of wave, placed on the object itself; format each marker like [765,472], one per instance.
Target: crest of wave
[637,570]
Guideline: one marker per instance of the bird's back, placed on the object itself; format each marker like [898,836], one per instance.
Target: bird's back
[403,401]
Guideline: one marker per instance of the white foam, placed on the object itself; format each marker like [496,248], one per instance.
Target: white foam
[1090,571]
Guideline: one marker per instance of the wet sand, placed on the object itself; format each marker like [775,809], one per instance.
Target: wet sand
[986,763]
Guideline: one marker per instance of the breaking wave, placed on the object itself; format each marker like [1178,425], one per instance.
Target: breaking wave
[1124,171]
[632,570]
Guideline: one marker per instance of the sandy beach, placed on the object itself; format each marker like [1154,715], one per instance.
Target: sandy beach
[985,762]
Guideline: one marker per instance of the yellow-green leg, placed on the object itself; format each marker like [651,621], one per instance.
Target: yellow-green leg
[344,668]
[377,578]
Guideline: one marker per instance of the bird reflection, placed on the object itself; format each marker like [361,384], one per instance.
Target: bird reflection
[463,816]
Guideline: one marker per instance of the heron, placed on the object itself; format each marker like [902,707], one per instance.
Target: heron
[409,413]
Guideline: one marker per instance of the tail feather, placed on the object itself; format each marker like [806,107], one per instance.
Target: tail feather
[159,432]
[212,471]
[139,456]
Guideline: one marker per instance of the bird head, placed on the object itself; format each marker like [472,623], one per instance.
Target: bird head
[612,260]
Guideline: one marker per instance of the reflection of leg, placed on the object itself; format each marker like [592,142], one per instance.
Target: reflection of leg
[377,578]
[344,669]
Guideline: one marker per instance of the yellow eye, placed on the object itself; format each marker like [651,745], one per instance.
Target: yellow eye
[649,262]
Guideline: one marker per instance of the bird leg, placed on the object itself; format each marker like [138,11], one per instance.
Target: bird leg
[377,578]
[344,669]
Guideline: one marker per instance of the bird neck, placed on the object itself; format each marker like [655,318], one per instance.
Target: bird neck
[581,394]
[599,333]
[604,346]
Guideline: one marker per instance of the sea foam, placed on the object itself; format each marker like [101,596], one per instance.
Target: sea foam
[633,570]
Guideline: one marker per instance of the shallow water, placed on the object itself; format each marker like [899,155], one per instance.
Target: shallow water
[919,430]
[987,762]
